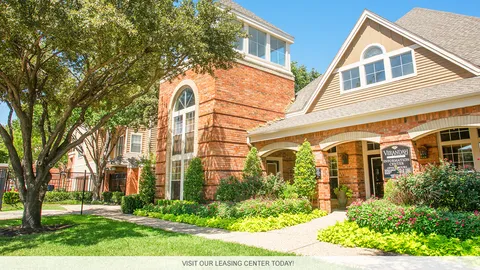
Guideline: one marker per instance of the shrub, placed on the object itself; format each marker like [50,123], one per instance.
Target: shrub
[304,171]
[384,216]
[270,208]
[442,186]
[230,189]
[59,196]
[349,234]
[107,196]
[348,191]
[131,203]
[11,197]
[252,166]
[117,197]
[194,178]
[147,182]
[78,195]
[272,186]
[289,192]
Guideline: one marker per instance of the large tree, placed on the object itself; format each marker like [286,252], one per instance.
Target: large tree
[302,75]
[61,59]
[98,147]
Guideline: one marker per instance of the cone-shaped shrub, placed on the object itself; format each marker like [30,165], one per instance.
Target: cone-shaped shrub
[252,167]
[304,171]
[193,186]
[147,182]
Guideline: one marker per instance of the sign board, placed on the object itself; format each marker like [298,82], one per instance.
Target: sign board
[397,160]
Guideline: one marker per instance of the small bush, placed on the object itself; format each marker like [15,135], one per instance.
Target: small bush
[107,196]
[78,195]
[383,216]
[272,186]
[349,234]
[442,186]
[230,189]
[194,178]
[117,197]
[252,166]
[131,203]
[147,182]
[289,192]
[11,197]
[304,171]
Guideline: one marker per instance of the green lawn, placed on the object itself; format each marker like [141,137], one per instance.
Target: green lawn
[7,207]
[97,236]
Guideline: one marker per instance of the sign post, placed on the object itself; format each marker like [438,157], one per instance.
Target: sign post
[397,160]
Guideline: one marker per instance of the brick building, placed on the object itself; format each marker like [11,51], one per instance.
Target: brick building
[412,85]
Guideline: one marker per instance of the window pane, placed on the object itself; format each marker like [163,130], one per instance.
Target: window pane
[369,69]
[370,78]
[406,58]
[380,76]
[396,72]
[333,174]
[379,66]
[355,73]
[372,51]
[189,98]
[136,143]
[252,47]
[356,83]
[175,190]
[239,44]
[408,69]
[395,61]
[257,42]
[277,51]
[460,155]
[454,134]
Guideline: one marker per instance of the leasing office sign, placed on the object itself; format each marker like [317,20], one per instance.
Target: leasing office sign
[397,160]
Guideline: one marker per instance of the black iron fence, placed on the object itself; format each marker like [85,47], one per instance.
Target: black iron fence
[71,181]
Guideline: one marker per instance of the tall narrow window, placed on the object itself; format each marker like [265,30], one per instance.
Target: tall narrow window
[257,42]
[333,170]
[119,147]
[277,51]
[183,141]
[136,143]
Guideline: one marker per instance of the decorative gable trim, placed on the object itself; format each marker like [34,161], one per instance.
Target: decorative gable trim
[393,27]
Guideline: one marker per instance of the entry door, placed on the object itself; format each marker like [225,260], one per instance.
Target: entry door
[376,176]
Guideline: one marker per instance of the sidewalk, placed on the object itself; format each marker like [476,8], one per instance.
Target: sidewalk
[70,209]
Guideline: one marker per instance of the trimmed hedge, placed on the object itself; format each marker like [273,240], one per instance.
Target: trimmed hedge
[107,196]
[251,224]
[384,216]
[58,196]
[350,234]
[131,203]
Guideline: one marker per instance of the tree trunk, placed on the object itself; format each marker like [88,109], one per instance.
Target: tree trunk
[97,186]
[32,203]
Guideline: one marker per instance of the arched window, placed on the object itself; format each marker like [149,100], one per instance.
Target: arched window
[183,137]
[372,51]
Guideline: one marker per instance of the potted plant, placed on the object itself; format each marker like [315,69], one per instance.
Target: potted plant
[343,194]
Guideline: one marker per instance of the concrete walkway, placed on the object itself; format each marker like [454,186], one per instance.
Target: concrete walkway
[300,239]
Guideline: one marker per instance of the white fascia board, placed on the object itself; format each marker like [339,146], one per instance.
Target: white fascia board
[372,117]
[263,27]
[386,23]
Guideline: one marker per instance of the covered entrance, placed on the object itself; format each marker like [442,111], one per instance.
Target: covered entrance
[375,175]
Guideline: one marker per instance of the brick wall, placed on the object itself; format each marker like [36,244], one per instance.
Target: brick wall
[230,103]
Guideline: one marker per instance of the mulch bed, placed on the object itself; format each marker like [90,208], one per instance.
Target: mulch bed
[18,230]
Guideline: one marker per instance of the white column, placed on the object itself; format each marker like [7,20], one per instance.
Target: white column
[267,48]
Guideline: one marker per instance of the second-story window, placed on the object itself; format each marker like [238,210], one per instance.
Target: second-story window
[375,72]
[257,42]
[119,147]
[401,64]
[277,51]
[136,143]
[351,78]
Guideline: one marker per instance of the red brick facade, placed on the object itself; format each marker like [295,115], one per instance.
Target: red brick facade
[229,104]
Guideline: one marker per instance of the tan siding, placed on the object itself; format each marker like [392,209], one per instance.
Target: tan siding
[431,69]
[371,32]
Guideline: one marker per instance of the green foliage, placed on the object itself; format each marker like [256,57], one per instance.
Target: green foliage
[3,153]
[304,171]
[11,198]
[302,76]
[442,186]
[131,203]
[344,188]
[252,166]
[289,192]
[231,189]
[147,182]
[107,196]
[349,234]
[58,196]
[384,216]
[117,197]
[194,178]
[249,224]
[272,186]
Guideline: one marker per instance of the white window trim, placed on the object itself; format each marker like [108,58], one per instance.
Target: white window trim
[474,141]
[368,47]
[280,163]
[386,62]
[131,142]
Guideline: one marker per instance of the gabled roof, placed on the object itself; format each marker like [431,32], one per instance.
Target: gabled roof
[312,122]
[236,8]
[304,95]
[456,33]
[408,21]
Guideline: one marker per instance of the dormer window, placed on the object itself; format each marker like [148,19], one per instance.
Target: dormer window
[277,51]
[257,42]
[376,66]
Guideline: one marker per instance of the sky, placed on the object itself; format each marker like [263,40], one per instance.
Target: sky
[320,27]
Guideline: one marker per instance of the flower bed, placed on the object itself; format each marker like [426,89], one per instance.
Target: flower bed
[350,234]
[250,215]
[383,216]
